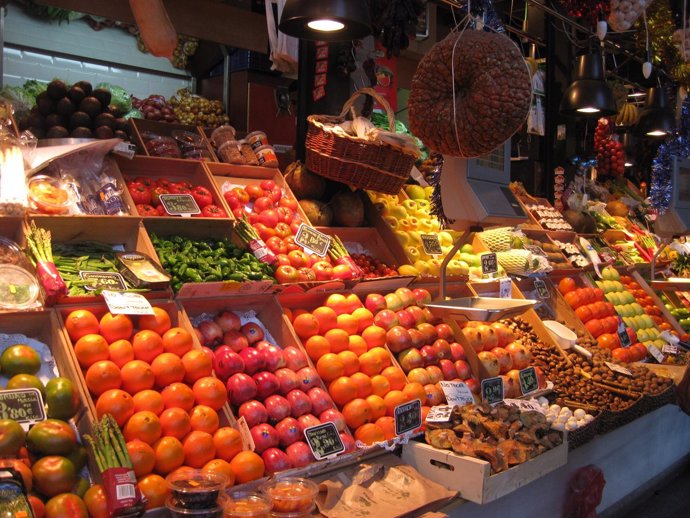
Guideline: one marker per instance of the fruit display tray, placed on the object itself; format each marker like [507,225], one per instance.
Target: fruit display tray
[141,126]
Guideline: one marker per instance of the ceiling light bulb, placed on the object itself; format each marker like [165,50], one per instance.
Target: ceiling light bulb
[656,133]
[325,25]
[588,109]
[628,164]
[637,94]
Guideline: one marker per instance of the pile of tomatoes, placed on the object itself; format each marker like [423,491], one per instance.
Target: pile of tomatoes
[146,191]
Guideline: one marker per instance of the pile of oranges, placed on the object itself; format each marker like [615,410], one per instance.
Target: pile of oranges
[159,387]
[351,357]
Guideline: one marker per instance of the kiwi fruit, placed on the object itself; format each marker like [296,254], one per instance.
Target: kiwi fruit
[57,132]
[81,132]
[54,119]
[57,89]
[38,131]
[79,119]
[76,95]
[122,124]
[120,134]
[91,106]
[102,95]
[85,86]
[66,107]
[104,119]
[104,132]
[44,103]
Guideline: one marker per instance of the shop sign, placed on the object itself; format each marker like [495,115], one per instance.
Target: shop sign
[103,280]
[528,380]
[324,440]
[431,244]
[492,390]
[179,204]
[489,263]
[22,405]
[457,393]
[124,303]
[312,240]
[408,417]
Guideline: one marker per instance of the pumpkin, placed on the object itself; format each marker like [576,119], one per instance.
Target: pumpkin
[493,94]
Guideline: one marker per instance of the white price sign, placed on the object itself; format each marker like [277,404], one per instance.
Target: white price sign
[525,405]
[618,368]
[669,349]
[123,303]
[654,351]
[439,414]
[457,393]
[505,288]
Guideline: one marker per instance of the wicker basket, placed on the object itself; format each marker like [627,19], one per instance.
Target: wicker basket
[366,165]
[654,401]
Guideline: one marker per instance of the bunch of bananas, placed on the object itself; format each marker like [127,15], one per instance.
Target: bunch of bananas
[627,115]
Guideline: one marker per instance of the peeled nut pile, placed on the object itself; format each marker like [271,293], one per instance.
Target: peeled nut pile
[563,418]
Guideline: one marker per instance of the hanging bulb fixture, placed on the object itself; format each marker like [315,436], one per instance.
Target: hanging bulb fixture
[656,117]
[326,20]
[589,95]
[602,28]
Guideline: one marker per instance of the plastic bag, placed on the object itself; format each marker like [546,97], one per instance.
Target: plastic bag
[584,493]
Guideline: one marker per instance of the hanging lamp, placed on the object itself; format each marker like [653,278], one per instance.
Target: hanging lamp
[629,146]
[589,95]
[326,20]
[656,117]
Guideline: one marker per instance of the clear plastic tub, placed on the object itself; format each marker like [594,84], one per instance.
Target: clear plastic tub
[194,489]
[222,134]
[18,287]
[47,196]
[246,504]
[176,511]
[10,253]
[291,494]
[297,514]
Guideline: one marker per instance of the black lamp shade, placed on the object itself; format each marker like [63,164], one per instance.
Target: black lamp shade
[656,117]
[352,14]
[589,95]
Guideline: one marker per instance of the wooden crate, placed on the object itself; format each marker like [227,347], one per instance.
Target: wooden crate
[238,170]
[138,127]
[657,302]
[472,477]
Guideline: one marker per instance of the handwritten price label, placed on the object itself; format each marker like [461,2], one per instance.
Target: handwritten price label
[528,380]
[431,244]
[123,303]
[179,204]
[408,417]
[492,390]
[22,405]
[489,263]
[103,280]
[618,368]
[457,393]
[312,240]
[324,440]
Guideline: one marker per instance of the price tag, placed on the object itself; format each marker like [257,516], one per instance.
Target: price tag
[312,240]
[431,244]
[489,263]
[408,417]
[125,149]
[439,414]
[505,288]
[528,380]
[246,435]
[669,349]
[492,390]
[607,255]
[22,405]
[179,204]
[457,393]
[623,334]
[523,404]
[324,440]
[542,289]
[654,351]
[536,250]
[618,368]
[103,280]
[123,303]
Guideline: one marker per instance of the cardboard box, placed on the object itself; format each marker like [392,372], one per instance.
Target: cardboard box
[139,127]
[472,477]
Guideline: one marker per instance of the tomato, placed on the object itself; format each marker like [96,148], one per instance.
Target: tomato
[343,272]
[146,210]
[160,210]
[254,191]
[567,285]
[163,182]
[285,274]
[288,203]
[275,194]
[306,274]
[241,194]
[232,199]
[269,217]
[284,214]
[144,180]
[268,185]
[283,230]
[179,188]
[156,193]
[299,259]
[282,259]
[140,194]
[323,270]
[275,244]
[213,211]
[202,196]
[264,231]
[263,203]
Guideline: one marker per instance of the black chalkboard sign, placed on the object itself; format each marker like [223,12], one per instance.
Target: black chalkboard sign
[178,204]
[324,440]
[492,390]
[489,263]
[22,405]
[309,237]
[103,280]
[431,244]
[408,417]
[623,335]
[528,380]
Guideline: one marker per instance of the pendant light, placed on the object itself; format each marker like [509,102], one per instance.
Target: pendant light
[629,146]
[656,117]
[326,20]
[589,95]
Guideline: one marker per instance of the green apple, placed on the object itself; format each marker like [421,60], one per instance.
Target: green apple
[638,309]
[600,285]
[422,267]
[629,322]
[410,206]
[396,211]
[456,267]
[648,322]
[402,237]
[446,239]
[467,249]
[660,343]
[427,225]
[428,191]
[642,335]
[609,298]
[416,192]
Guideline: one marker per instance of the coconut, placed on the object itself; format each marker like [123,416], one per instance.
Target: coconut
[305,184]
[319,214]
[617,208]
[348,209]
[582,223]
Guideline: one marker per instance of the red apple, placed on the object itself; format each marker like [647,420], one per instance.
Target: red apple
[272,356]
[398,339]
[253,361]
[406,296]
[253,332]
[348,442]
[333,416]
[490,363]
[263,344]
[266,384]
[435,373]
[417,338]
[375,302]
[308,378]
[300,403]
[276,460]
[429,355]
[434,395]
[236,340]
[253,412]
[386,319]
[228,321]
[226,362]
[393,302]
[448,369]
[429,332]
[405,318]
[294,358]
[289,430]
[308,420]
[320,400]
[410,359]
[264,436]
[419,375]
[278,408]
[442,348]
[520,355]
[417,314]
[211,332]
[299,453]
[462,368]
[422,296]
[445,331]
[473,385]
[288,380]
[457,352]
[241,388]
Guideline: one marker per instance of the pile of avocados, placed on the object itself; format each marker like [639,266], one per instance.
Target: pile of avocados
[79,111]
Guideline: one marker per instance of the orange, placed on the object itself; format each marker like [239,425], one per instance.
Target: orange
[178,395]
[150,400]
[116,402]
[357,412]
[136,376]
[327,318]
[121,352]
[142,456]
[167,368]
[247,466]
[374,336]
[222,467]
[91,348]
[204,419]
[81,322]
[395,377]
[369,433]
[338,339]
[155,489]
[177,340]
[158,322]
[338,303]
[228,443]
[567,285]
[383,355]
[364,318]
[415,391]
[102,376]
[115,327]
[210,391]
[175,422]
[347,323]
[197,365]
[306,325]
[147,345]
[378,406]
[144,426]
[342,390]
[297,312]
[350,362]
[169,454]
[316,346]
[392,399]
[380,386]
[198,448]
[363,384]
[357,345]
[387,424]
[330,367]
[370,363]
[95,502]
[352,301]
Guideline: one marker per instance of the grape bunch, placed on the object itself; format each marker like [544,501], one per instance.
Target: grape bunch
[155,108]
[610,152]
[197,110]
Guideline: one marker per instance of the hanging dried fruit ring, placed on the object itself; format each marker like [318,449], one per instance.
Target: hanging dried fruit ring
[492,94]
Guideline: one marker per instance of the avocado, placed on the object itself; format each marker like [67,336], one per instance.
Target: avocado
[36,120]
[120,134]
[114,110]
[76,95]
[23,123]
[122,124]
[104,119]
[79,119]
[54,119]
[57,132]
[81,132]
[38,131]
[85,86]
[102,95]
[91,106]
[104,132]
[57,89]
[45,104]
[66,107]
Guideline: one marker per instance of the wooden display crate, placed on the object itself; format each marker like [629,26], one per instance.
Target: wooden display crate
[238,169]
[563,268]
[526,202]
[472,477]
[173,169]
[139,127]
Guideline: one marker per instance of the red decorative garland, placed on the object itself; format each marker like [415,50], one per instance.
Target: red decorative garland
[589,10]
